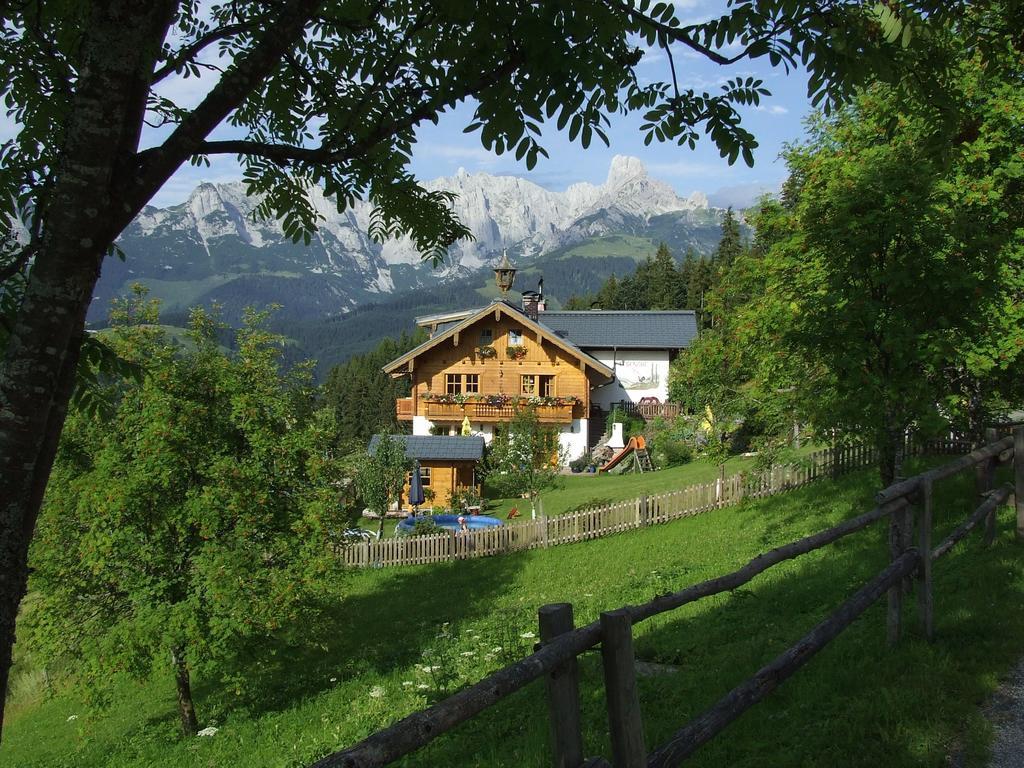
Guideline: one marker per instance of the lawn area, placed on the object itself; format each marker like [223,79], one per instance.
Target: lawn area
[575,490]
[394,640]
[599,488]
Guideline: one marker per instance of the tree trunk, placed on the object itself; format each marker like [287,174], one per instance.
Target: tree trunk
[37,372]
[890,455]
[186,708]
[100,184]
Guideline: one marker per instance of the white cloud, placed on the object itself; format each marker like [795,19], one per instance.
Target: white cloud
[477,155]
[774,109]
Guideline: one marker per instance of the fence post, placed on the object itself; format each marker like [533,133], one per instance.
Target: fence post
[563,684]
[1018,478]
[624,721]
[544,532]
[986,480]
[452,545]
[644,510]
[924,573]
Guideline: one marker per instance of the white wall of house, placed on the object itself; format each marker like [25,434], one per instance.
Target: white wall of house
[421,425]
[639,373]
[573,439]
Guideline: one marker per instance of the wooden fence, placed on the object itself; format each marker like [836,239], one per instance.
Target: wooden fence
[561,643]
[595,522]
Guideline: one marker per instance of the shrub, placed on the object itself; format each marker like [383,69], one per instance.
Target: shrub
[631,425]
[672,443]
[424,526]
[465,497]
[580,464]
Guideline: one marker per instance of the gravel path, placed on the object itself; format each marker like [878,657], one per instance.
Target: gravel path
[1006,711]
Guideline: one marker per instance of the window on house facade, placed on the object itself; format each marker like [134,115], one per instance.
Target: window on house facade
[546,386]
[424,477]
[529,386]
[471,383]
[486,337]
[453,383]
[515,337]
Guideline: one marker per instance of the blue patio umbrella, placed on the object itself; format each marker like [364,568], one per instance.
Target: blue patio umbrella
[416,488]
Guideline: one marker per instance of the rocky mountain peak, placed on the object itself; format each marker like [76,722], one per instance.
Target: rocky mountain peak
[623,169]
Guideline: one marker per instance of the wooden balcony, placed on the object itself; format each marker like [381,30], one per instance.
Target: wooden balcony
[481,412]
[650,411]
[403,408]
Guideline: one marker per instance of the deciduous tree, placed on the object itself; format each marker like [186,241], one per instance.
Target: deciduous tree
[382,476]
[894,282]
[194,521]
[525,457]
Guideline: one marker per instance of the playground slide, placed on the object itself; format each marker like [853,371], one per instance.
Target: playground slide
[634,444]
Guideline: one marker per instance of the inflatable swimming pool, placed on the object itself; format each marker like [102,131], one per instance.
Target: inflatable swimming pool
[451,522]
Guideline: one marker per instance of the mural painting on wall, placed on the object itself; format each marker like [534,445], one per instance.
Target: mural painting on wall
[637,375]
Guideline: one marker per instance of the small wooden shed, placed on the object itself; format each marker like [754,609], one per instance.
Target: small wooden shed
[446,462]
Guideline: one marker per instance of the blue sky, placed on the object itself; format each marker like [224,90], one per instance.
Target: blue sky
[442,149]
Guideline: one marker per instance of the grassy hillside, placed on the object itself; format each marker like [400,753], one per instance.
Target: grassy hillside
[856,704]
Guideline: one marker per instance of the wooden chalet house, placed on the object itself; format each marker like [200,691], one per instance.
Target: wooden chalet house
[573,367]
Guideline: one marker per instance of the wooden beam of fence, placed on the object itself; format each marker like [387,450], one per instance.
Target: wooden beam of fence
[563,690]
[910,485]
[761,563]
[1018,478]
[706,726]
[925,602]
[995,498]
[625,724]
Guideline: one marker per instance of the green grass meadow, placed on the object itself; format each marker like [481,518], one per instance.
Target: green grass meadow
[395,640]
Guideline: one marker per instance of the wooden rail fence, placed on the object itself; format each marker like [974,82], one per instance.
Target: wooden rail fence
[628,515]
[561,643]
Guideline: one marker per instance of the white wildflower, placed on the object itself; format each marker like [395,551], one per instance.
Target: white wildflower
[376,692]
[528,635]
[496,649]
[210,731]
[72,718]
[423,686]
[469,653]
[334,679]
[407,683]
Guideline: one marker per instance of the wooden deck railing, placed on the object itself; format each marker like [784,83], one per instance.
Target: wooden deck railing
[546,414]
[561,643]
[649,411]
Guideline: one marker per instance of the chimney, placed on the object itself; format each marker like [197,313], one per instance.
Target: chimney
[531,304]
[541,304]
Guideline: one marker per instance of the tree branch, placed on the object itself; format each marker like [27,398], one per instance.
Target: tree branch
[678,34]
[288,153]
[177,60]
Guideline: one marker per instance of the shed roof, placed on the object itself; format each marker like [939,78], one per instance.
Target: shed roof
[625,329]
[436,447]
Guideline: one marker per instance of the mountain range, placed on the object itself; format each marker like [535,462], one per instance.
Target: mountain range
[211,248]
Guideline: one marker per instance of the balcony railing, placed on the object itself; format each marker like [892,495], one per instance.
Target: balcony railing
[546,414]
[649,411]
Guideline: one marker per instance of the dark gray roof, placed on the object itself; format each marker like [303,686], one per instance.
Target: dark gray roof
[469,448]
[603,329]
